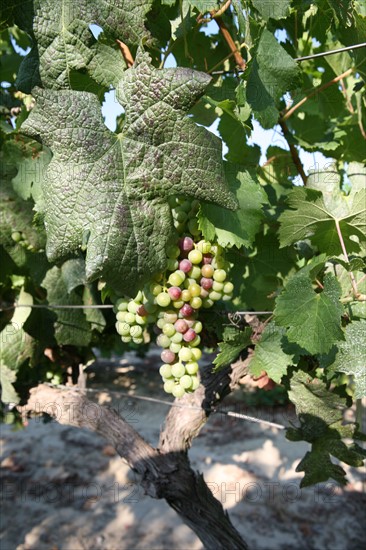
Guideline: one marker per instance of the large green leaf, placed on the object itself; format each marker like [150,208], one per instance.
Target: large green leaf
[272,10]
[320,412]
[269,355]
[314,214]
[16,346]
[272,73]
[313,319]
[70,325]
[234,342]
[111,190]
[64,47]
[350,358]
[240,227]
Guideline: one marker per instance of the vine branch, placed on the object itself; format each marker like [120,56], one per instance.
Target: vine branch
[290,111]
[293,151]
[126,53]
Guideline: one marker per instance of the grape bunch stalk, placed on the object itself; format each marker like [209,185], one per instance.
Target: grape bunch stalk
[195,279]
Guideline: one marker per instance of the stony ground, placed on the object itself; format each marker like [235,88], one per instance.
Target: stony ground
[66,489]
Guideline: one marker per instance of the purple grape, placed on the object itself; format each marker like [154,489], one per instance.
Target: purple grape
[207,259]
[167,356]
[186,244]
[181,326]
[185,265]
[206,283]
[189,335]
[186,310]
[174,292]
[142,311]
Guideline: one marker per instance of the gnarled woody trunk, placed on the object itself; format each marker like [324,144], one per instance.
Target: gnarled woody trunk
[164,472]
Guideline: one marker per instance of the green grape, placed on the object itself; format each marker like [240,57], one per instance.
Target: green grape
[178,391]
[196,354]
[138,298]
[207,303]
[121,316]
[218,286]
[197,327]
[16,236]
[186,295]
[215,296]
[170,316]
[178,304]
[192,367]
[155,289]
[196,302]
[227,297]
[193,227]
[219,275]
[139,340]
[136,331]
[161,323]
[171,264]
[169,385]
[228,288]
[195,272]
[195,383]
[196,342]
[140,320]
[169,329]
[204,247]
[194,289]
[133,306]
[186,205]
[195,256]
[165,370]
[177,338]
[173,251]
[186,381]
[185,354]
[150,307]
[176,278]
[130,318]
[123,329]
[178,370]
[163,299]
[121,304]
[163,341]
[126,339]
[175,347]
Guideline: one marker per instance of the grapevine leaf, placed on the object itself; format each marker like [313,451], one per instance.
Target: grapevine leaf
[73,272]
[272,10]
[240,227]
[320,413]
[71,326]
[272,73]
[16,347]
[269,355]
[313,320]
[113,189]
[350,358]
[64,47]
[234,343]
[309,217]
[94,316]
[204,6]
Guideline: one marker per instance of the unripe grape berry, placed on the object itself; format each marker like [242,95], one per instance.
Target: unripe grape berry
[190,335]
[140,320]
[176,278]
[130,318]
[163,341]
[170,316]
[178,304]
[121,304]
[204,293]
[155,289]
[178,370]
[186,295]
[176,338]
[195,272]
[123,329]
[228,288]
[165,370]
[195,256]
[168,329]
[193,227]
[207,303]
[196,342]
[196,354]
[218,286]
[192,367]
[207,270]
[219,275]
[196,302]
[169,385]
[185,354]
[136,331]
[161,322]
[198,327]
[178,391]
[171,264]
[194,289]
[195,383]
[163,299]
[138,340]
[175,347]
[126,339]
[185,381]
[121,316]
[173,251]
[185,265]
[215,296]
[167,356]
[204,247]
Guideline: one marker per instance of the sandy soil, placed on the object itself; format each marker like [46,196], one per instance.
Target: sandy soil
[66,489]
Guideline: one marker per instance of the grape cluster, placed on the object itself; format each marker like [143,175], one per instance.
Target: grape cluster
[195,278]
